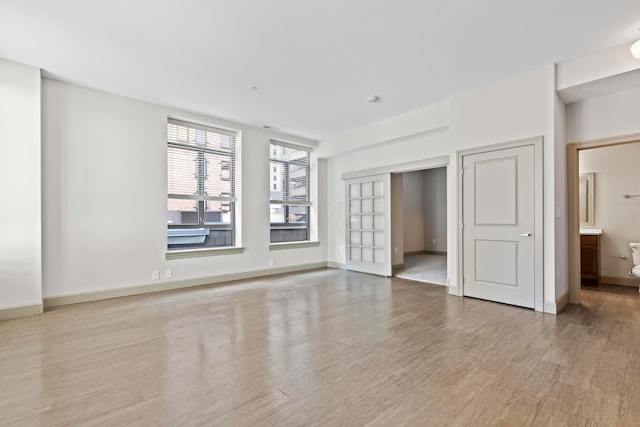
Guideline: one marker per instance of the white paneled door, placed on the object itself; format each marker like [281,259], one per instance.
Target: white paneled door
[368,233]
[499,197]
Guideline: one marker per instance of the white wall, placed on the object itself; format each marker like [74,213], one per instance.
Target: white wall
[414,218]
[604,116]
[104,170]
[20,214]
[427,145]
[435,209]
[512,110]
[616,173]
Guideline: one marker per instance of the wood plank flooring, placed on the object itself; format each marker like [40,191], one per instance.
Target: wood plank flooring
[322,348]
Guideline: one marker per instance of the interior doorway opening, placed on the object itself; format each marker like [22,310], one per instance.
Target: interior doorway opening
[604,254]
[419,225]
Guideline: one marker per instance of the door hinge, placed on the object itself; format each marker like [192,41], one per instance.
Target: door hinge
[462,226]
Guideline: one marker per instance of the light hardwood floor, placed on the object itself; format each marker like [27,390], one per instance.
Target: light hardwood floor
[326,347]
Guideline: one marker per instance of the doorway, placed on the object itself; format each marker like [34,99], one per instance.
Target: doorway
[613,254]
[422,210]
[374,204]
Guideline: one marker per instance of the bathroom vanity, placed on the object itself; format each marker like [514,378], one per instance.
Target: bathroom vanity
[590,256]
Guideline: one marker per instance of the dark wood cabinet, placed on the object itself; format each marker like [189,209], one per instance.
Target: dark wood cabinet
[590,259]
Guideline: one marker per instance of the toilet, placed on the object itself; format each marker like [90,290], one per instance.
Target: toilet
[635,253]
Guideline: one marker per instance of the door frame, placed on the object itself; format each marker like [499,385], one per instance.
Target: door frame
[538,168]
[573,177]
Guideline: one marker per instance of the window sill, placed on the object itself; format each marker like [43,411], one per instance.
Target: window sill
[193,253]
[293,245]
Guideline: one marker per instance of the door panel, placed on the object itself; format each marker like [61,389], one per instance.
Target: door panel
[499,225]
[368,224]
[495,199]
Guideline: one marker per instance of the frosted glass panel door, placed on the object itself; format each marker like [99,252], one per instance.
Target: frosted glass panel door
[368,204]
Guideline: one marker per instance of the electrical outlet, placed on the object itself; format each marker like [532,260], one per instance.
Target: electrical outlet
[270,262]
[341,248]
[434,241]
[395,250]
[155,274]
[167,273]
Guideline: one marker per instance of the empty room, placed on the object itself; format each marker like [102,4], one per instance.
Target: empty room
[319,213]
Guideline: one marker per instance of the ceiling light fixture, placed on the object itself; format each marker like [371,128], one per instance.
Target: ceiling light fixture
[373,99]
[635,49]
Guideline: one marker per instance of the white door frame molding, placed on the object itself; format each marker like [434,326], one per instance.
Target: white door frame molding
[573,177]
[538,145]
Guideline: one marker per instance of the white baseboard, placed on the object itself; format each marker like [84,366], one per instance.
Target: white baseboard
[166,286]
[332,264]
[23,311]
[555,307]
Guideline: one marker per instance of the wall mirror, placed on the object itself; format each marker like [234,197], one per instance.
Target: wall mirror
[587,204]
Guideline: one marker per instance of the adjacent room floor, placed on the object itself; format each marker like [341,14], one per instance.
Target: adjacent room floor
[429,268]
[325,347]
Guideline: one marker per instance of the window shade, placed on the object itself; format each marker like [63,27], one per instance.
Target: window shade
[200,162]
[289,174]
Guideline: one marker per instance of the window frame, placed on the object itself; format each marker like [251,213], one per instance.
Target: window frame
[286,203]
[201,199]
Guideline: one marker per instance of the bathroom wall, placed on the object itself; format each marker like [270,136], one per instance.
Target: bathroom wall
[616,174]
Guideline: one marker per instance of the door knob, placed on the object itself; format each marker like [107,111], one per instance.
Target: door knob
[527,234]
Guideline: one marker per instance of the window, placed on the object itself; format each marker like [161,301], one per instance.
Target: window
[200,186]
[290,196]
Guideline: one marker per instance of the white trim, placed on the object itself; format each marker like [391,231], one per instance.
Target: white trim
[193,253]
[337,265]
[537,142]
[22,311]
[550,307]
[166,286]
[293,245]
[431,163]
[556,307]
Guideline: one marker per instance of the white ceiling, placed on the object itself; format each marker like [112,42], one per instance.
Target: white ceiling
[315,63]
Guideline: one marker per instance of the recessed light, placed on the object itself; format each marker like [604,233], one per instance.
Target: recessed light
[373,99]
[254,88]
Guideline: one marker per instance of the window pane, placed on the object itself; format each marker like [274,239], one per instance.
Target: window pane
[277,214]
[217,175]
[297,214]
[182,212]
[182,171]
[217,212]
[298,183]
[200,136]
